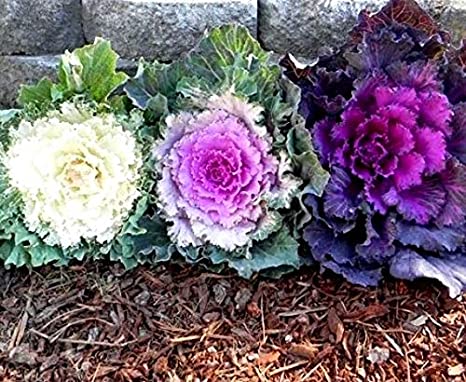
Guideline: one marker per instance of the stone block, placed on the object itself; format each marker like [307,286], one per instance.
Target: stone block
[161,29]
[303,27]
[37,27]
[19,70]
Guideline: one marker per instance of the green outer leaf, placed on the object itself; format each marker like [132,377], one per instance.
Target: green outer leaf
[37,94]
[91,70]
[230,58]
[154,80]
[154,240]
[302,152]
[223,52]
[279,250]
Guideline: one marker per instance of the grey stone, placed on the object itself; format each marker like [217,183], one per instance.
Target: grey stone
[159,28]
[304,27]
[17,70]
[35,27]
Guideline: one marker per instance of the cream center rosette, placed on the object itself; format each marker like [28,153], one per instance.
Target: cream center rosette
[77,173]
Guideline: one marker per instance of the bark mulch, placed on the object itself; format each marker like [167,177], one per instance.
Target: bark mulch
[98,323]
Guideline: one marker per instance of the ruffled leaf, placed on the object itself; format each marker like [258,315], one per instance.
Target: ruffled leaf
[455,78]
[457,141]
[378,50]
[409,171]
[37,94]
[279,251]
[270,223]
[405,13]
[302,153]
[324,90]
[229,59]
[455,84]
[152,83]
[429,238]
[324,245]
[342,195]
[454,181]
[90,70]
[450,270]
[229,56]
[19,246]
[419,203]
[379,244]
[154,241]
[338,255]
[419,75]
[432,146]
[364,277]
[23,248]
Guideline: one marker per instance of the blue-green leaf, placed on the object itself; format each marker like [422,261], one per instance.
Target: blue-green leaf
[279,251]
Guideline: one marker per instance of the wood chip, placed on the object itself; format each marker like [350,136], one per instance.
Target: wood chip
[368,313]
[304,351]
[335,325]
[268,358]
[457,370]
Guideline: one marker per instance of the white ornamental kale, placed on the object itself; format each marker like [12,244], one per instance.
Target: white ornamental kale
[77,173]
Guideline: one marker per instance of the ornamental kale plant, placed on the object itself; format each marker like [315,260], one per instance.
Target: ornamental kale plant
[387,114]
[231,156]
[73,177]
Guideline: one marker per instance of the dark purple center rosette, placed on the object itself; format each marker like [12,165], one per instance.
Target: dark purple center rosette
[393,140]
[389,124]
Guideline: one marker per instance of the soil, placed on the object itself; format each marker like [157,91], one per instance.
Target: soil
[95,322]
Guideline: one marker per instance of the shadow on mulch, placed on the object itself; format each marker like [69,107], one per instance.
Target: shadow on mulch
[97,323]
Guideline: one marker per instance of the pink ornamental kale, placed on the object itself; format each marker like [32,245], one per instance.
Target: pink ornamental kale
[231,156]
[216,170]
[389,123]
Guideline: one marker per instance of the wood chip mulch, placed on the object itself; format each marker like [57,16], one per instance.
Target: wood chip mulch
[98,323]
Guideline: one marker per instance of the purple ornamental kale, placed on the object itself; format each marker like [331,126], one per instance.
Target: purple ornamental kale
[392,138]
[390,126]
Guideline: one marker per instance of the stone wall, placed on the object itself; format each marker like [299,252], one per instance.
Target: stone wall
[33,32]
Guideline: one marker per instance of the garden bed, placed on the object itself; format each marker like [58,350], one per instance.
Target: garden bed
[96,323]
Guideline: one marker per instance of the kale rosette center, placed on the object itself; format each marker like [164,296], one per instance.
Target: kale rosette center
[393,139]
[216,171]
